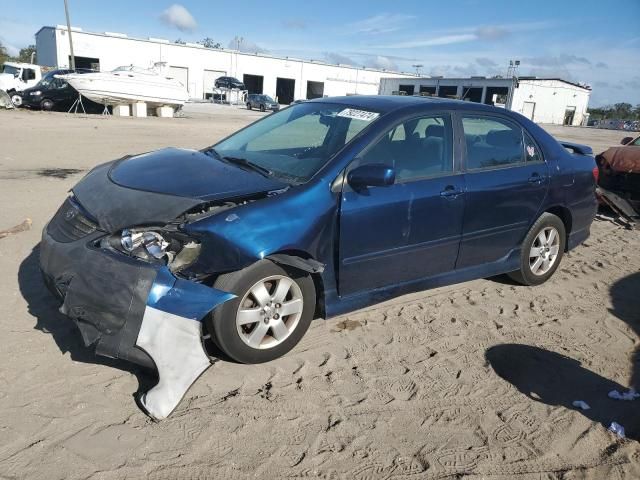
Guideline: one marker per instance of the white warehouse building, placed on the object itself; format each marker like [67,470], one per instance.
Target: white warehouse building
[543,100]
[197,67]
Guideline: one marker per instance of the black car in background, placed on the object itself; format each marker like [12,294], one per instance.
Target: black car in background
[262,102]
[53,93]
[229,82]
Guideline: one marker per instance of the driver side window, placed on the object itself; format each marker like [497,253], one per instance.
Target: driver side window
[416,148]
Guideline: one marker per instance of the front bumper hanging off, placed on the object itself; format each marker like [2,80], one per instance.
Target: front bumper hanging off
[133,311]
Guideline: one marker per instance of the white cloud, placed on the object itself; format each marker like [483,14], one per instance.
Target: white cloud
[470,34]
[433,41]
[179,17]
[244,45]
[377,24]
[337,58]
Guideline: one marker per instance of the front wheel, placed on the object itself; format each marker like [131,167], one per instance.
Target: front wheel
[269,316]
[16,99]
[262,108]
[248,106]
[542,251]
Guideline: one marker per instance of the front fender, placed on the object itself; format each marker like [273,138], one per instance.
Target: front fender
[300,219]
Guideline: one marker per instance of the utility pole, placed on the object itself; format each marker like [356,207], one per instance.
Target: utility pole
[73,58]
[417,66]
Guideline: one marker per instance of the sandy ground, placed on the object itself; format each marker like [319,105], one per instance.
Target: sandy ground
[472,380]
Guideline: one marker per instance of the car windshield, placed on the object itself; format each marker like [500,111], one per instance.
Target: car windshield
[265,98]
[637,142]
[10,70]
[298,141]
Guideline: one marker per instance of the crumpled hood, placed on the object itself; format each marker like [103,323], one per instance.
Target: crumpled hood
[155,188]
[189,173]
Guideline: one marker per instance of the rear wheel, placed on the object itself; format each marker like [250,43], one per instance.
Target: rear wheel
[269,316]
[46,104]
[542,251]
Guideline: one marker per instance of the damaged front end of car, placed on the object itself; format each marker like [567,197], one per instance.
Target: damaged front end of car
[119,261]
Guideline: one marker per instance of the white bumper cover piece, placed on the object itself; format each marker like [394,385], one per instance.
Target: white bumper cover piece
[175,345]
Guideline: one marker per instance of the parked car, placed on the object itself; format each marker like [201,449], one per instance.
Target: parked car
[262,102]
[322,208]
[16,77]
[53,93]
[229,82]
[619,178]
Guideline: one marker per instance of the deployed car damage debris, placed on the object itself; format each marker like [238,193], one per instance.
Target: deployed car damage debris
[127,289]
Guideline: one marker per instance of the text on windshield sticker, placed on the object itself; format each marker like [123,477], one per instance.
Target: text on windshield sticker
[358,114]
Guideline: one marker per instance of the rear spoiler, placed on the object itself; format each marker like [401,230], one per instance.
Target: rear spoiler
[577,148]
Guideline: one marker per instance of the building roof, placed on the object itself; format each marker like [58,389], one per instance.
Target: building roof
[122,36]
[491,79]
[547,79]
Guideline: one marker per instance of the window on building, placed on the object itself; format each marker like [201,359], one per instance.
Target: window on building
[492,142]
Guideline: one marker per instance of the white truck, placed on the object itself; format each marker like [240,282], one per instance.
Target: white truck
[15,77]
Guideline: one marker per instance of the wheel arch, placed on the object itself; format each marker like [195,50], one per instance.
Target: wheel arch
[304,261]
[565,215]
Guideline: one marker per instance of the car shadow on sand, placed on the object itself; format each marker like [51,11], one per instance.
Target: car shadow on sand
[44,307]
[625,298]
[558,380]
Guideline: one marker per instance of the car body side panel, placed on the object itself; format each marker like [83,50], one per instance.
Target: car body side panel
[500,207]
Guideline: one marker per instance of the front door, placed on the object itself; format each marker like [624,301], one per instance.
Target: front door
[411,229]
[507,180]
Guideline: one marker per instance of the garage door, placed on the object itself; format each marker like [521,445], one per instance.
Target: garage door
[209,81]
[181,74]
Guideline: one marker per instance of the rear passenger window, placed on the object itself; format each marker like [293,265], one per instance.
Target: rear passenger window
[417,148]
[531,150]
[492,143]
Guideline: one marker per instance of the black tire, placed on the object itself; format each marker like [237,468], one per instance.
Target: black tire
[46,104]
[248,106]
[222,322]
[262,108]
[525,274]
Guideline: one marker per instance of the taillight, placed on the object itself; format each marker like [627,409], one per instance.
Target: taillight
[596,174]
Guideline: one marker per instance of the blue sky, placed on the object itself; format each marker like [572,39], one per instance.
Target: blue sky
[597,42]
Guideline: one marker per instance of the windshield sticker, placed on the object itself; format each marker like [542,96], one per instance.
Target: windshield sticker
[531,150]
[358,114]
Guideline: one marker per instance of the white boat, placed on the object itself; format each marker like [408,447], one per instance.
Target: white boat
[129,85]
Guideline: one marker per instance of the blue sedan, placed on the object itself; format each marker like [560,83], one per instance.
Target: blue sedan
[322,208]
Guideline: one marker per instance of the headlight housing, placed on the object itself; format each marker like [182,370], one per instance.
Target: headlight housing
[156,245]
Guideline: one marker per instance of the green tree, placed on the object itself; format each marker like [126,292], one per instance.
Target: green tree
[4,56]
[25,54]
[209,43]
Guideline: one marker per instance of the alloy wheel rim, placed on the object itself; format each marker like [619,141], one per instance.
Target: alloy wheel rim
[544,251]
[269,312]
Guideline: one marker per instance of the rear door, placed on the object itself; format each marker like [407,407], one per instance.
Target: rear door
[409,230]
[507,180]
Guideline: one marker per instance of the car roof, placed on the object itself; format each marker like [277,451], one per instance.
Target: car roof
[388,103]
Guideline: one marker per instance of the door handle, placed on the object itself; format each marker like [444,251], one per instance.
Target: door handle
[536,178]
[450,192]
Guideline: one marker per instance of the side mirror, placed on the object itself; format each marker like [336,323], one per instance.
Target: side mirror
[371,175]
[626,140]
